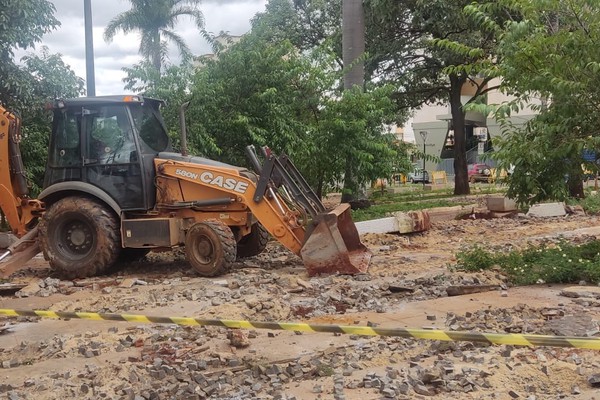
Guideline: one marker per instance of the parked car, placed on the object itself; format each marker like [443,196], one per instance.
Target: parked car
[479,173]
[418,175]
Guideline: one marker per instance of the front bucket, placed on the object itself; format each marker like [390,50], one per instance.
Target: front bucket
[333,245]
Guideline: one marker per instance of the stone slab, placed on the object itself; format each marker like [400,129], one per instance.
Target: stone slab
[501,204]
[546,210]
[581,291]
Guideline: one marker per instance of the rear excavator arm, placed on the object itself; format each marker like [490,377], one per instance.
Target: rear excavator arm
[19,209]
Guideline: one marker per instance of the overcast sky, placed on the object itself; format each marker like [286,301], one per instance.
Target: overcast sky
[232,16]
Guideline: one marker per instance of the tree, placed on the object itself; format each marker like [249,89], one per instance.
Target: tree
[48,78]
[549,62]
[155,21]
[172,85]
[427,49]
[268,93]
[23,25]
[353,49]
[430,50]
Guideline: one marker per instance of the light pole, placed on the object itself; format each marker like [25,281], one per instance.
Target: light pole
[424,136]
[90,77]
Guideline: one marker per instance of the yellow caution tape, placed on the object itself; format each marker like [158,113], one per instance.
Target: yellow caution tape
[426,334]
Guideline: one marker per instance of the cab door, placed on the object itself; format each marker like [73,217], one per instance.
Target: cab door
[110,154]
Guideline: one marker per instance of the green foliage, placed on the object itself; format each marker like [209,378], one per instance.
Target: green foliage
[25,88]
[429,50]
[590,204]
[549,62]
[46,77]
[171,85]
[263,93]
[562,263]
[22,24]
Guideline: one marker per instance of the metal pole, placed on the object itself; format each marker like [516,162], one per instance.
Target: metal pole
[89,48]
[424,136]
[424,150]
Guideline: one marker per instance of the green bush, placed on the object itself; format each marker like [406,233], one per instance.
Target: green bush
[591,204]
[559,263]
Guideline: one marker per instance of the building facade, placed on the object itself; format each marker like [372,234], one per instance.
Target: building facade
[480,129]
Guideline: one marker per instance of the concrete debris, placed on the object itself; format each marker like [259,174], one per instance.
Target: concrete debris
[142,362]
[546,210]
[399,222]
[501,204]
[470,289]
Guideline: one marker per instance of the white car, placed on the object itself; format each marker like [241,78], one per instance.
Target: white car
[418,175]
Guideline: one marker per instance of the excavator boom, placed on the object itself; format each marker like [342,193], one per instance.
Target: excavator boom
[20,211]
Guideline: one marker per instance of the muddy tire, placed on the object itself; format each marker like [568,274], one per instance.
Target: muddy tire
[253,243]
[80,237]
[210,247]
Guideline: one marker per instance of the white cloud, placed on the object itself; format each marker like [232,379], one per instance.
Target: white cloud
[231,16]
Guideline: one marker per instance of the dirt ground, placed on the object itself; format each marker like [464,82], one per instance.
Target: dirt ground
[405,288]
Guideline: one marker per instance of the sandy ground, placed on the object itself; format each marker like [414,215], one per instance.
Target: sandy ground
[275,287]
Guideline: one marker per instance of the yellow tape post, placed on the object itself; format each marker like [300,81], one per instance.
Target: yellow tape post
[425,334]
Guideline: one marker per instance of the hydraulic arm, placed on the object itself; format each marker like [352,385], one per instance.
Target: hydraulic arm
[19,209]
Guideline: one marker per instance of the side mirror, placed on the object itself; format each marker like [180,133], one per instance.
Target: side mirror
[133,157]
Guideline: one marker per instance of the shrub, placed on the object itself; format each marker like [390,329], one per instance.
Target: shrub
[556,263]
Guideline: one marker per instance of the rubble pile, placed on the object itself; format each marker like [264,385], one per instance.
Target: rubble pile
[142,362]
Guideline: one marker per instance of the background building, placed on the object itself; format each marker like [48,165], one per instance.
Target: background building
[479,129]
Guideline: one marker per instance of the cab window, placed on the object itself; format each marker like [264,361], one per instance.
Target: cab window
[110,139]
[150,126]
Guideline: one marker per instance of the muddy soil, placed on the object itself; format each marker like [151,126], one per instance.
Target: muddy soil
[405,288]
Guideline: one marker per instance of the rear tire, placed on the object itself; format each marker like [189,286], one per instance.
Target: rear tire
[253,243]
[210,247]
[80,237]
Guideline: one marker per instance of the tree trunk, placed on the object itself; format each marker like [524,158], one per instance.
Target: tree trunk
[353,42]
[353,47]
[461,178]
[156,50]
[575,185]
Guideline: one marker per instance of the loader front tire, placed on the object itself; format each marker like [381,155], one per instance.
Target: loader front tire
[80,237]
[253,243]
[210,247]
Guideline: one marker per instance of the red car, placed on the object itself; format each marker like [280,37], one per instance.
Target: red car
[479,173]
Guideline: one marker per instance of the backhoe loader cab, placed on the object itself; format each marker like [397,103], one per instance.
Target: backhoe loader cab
[110,144]
[114,190]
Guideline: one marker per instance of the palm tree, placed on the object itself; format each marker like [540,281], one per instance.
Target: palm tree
[155,19]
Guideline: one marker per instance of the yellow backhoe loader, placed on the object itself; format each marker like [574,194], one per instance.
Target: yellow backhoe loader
[114,190]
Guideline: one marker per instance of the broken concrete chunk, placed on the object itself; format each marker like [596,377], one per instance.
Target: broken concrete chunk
[501,204]
[581,291]
[546,210]
[413,221]
[469,289]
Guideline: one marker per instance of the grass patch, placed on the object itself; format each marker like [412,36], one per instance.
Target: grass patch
[554,263]
[590,204]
